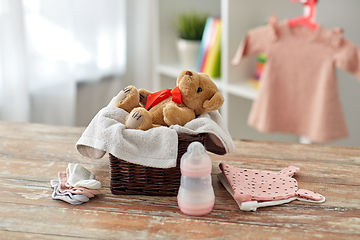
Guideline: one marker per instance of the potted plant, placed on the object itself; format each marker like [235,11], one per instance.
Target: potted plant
[190,27]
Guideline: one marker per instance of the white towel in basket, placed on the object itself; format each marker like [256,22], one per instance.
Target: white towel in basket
[156,147]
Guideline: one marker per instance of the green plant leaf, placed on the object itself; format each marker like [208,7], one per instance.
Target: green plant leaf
[191,25]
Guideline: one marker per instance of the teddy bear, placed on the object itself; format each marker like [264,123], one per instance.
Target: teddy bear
[194,94]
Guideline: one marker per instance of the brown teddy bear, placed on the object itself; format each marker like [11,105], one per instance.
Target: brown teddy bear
[194,94]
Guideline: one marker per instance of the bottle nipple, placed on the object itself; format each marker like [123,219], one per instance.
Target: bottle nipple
[195,162]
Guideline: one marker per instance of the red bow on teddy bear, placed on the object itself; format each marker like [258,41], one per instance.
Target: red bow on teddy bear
[155,98]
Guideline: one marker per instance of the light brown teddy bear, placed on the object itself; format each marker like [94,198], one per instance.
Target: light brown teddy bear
[194,94]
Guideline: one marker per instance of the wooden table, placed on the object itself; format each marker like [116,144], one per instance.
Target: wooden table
[32,154]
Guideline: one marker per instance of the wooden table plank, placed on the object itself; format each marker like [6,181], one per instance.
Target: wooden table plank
[41,132]
[32,154]
[24,235]
[295,151]
[47,219]
[25,192]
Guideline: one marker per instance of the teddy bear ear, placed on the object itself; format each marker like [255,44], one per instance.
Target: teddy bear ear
[214,103]
[184,73]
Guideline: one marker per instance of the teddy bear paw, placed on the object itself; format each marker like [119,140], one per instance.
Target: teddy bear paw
[134,120]
[127,98]
[123,94]
[139,118]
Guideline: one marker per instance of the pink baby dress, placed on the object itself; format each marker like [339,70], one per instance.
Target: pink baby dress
[298,90]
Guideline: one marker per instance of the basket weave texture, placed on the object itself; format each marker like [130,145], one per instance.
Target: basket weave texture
[134,179]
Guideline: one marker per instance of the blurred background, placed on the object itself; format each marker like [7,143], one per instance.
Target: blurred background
[61,61]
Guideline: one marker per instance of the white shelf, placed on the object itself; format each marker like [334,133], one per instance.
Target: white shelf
[170,70]
[241,89]
[173,70]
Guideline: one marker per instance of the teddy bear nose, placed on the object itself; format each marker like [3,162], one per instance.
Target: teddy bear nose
[188,73]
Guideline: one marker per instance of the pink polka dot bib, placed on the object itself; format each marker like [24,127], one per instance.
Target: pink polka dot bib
[256,188]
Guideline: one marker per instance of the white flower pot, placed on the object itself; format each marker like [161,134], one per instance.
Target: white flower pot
[188,53]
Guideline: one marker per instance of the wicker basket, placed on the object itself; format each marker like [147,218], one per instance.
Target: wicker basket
[135,179]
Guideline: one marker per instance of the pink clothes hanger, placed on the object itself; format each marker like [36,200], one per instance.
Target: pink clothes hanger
[308,19]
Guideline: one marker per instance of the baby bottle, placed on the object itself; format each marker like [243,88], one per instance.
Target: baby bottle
[196,194]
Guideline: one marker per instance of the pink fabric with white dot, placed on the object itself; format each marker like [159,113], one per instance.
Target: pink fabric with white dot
[258,185]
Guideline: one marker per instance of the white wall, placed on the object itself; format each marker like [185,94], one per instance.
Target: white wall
[93,96]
